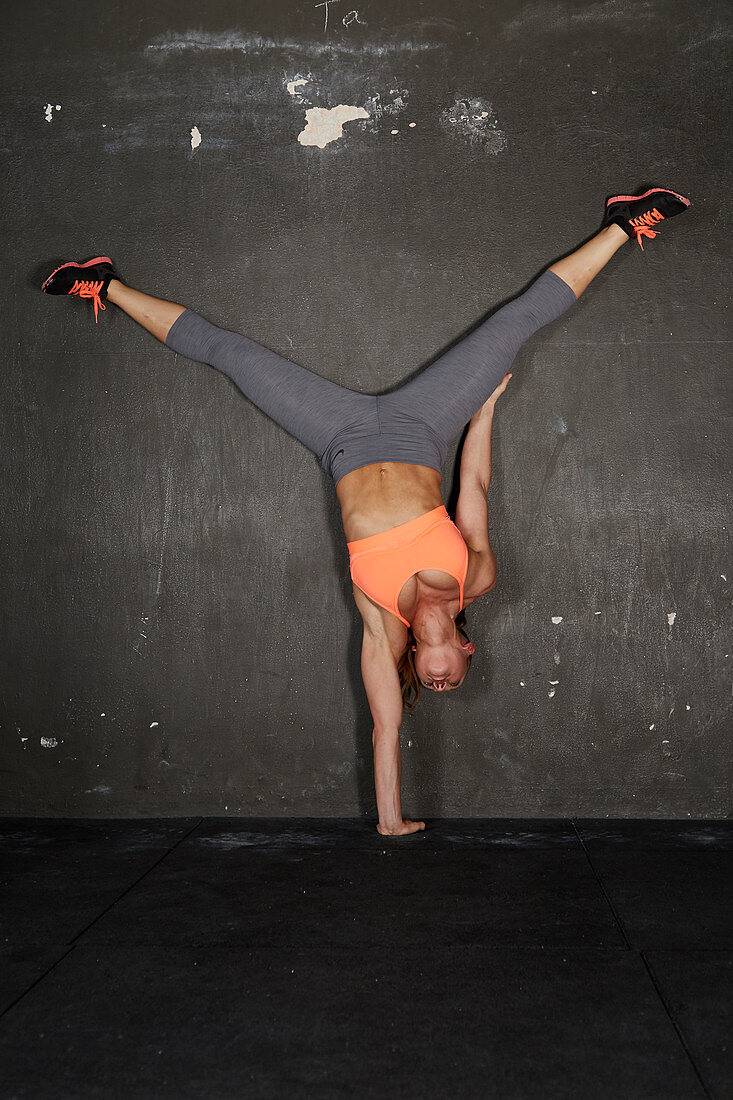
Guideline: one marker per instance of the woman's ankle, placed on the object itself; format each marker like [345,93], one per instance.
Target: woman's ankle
[113,287]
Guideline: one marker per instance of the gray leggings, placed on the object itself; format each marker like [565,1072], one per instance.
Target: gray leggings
[415,423]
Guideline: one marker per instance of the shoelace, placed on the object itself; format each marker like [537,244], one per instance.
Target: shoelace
[643,225]
[85,288]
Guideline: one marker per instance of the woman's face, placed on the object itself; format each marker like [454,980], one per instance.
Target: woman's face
[443,667]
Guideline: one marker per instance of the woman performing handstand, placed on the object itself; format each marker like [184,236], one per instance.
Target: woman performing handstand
[414,571]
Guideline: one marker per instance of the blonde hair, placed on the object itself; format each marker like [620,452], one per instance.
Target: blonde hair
[409,679]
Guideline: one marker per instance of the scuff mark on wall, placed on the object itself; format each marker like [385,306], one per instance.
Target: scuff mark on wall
[378,106]
[474,120]
[326,124]
[259,44]
[195,137]
[49,743]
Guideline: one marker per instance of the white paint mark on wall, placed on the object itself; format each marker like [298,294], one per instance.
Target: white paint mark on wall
[195,137]
[554,682]
[394,131]
[153,724]
[413,125]
[653,726]
[474,120]
[292,85]
[49,742]
[49,111]
[557,619]
[522,684]
[723,577]
[326,124]
[671,618]
[551,694]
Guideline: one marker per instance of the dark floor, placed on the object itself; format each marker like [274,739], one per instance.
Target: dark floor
[314,958]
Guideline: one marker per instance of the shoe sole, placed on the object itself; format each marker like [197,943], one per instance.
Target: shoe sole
[73,263]
[651,191]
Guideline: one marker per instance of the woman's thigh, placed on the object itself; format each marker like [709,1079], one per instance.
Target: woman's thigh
[452,389]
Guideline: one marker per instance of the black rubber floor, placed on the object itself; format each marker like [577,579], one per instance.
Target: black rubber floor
[314,958]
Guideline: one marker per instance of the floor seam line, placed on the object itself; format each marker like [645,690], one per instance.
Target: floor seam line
[675,1025]
[37,981]
[609,903]
[137,881]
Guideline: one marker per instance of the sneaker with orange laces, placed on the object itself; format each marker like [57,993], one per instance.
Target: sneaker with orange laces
[639,215]
[87,280]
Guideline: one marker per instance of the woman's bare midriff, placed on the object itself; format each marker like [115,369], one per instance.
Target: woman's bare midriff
[385,494]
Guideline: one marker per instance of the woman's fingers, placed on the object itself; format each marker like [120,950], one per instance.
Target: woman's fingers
[501,387]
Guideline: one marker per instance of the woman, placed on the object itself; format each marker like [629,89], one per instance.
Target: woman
[414,571]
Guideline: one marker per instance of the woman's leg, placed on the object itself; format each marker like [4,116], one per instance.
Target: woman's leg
[153,314]
[453,388]
[581,267]
[309,407]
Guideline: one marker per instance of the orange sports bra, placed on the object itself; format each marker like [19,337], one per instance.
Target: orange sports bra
[382,564]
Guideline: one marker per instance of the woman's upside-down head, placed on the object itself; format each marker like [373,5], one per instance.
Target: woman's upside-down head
[439,663]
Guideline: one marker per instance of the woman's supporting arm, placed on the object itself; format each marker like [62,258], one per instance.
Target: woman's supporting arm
[382,684]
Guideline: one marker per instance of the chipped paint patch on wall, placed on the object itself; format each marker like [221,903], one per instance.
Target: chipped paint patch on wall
[293,85]
[326,124]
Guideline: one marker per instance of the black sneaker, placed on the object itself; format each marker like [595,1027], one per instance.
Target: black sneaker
[638,215]
[88,280]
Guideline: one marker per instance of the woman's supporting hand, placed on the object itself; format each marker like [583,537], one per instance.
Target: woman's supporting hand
[401,829]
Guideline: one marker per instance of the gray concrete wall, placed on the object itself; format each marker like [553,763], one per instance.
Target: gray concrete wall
[178,632]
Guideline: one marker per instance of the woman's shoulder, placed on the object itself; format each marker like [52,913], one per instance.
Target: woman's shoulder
[480,575]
